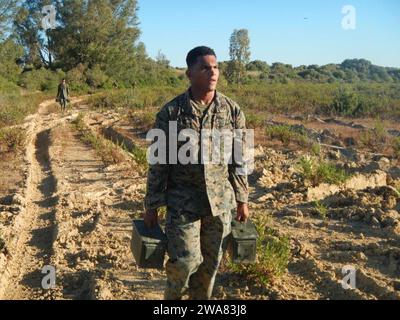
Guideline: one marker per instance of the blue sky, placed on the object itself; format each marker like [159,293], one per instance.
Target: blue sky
[278,30]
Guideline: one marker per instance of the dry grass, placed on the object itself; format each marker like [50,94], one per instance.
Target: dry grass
[12,139]
[108,152]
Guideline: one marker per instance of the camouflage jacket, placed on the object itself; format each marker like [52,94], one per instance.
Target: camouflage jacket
[197,187]
[62,91]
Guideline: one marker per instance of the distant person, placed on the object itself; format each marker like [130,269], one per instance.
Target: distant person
[63,94]
[200,198]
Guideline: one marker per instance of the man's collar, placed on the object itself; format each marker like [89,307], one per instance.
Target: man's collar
[188,108]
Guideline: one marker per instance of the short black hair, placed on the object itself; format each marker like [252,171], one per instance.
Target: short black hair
[193,55]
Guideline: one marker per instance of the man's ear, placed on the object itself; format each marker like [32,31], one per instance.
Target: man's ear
[188,73]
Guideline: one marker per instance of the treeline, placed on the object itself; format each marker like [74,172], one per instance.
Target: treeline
[94,44]
[349,71]
[329,99]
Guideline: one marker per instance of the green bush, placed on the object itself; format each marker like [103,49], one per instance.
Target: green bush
[10,52]
[254,121]
[138,98]
[7,88]
[77,80]
[140,156]
[97,78]
[287,134]
[321,209]
[359,99]
[329,173]
[41,80]
[273,253]
[316,149]
[317,171]
[345,102]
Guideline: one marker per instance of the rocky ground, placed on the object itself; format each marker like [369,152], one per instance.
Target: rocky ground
[61,205]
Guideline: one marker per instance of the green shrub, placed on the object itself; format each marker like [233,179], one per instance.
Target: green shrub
[97,78]
[321,209]
[133,99]
[273,253]
[14,107]
[76,79]
[254,121]
[287,134]
[41,80]
[10,52]
[345,102]
[316,149]
[317,172]
[140,156]
[7,88]
[329,173]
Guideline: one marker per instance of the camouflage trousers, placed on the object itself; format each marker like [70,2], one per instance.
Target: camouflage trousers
[195,249]
[63,104]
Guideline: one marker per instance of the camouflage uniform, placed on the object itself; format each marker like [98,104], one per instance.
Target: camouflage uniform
[200,198]
[63,95]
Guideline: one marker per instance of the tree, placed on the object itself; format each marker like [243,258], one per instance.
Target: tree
[257,65]
[162,59]
[7,12]
[239,52]
[100,35]
[10,54]
[29,33]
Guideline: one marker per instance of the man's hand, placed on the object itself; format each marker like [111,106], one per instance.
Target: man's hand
[151,218]
[242,212]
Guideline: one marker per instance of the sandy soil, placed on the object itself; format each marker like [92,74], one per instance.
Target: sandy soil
[65,208]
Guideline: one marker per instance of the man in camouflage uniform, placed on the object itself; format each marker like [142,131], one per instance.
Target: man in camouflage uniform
[200,198]
[63,94]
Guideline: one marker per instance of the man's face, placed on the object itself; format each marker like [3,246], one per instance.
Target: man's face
[204,74]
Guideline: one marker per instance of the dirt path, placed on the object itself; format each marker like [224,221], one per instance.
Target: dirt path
[77,217]
[360,228]
[96,206]
[74,213]
[37,232]
[35,225]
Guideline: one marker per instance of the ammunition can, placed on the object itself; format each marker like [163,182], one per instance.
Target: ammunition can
[242,245]
[148,245]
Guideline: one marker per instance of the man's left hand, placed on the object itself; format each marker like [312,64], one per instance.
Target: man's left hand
[242,212]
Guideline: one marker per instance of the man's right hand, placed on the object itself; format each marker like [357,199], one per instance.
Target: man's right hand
[151,218]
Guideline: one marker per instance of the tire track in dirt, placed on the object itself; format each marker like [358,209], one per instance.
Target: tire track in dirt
[35,226]
[320,247]
[77,218]
[94,214]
